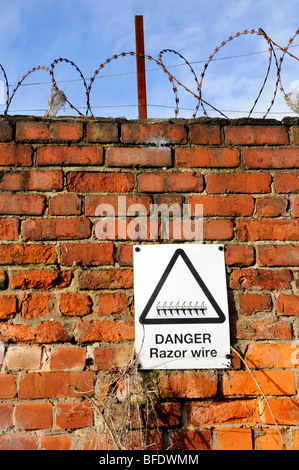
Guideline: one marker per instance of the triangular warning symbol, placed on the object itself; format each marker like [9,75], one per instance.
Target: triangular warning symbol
[184,311]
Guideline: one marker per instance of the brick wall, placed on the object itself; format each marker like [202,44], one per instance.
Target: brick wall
[66,298]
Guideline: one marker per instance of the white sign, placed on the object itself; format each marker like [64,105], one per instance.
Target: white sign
[181,310]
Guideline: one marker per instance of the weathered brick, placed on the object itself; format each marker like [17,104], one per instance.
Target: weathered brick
[63,155]
[213,412]
[18,441]
[33,416]
[205,134]
[75,304]
[217,229]
[74,415]
[61,442]
[87,254]
[261,329]
[36,305]
[8,306]
[6,415]
[65,204]
[106,279]
[8,386]
[5,131]
[40,279]
[140,156]
[272,382]
[271,355]
[27,254]
[278,255]
[190,440]
[22,204]
[55,229]
[34,180]
[223,205]
[295,206]
[271,206]
[112,358]
[68,357]
[47,332]
[234,439]
[285,410]
[256,135]
[125,255]
[261,278]
[170,182]
[271,158]
[15,155]
[104,330]
[9,229]
[23,357]
[52,131]
[201,157]
[158,133]
[111,303]
[95,182]
[274,229]
[239,255]
[187,385]
[287,304]
[252,303]
[102,132]
[37,385]
[287,182]
[271,439]
[238,183]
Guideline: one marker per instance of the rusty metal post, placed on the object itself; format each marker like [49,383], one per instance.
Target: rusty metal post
[140,64]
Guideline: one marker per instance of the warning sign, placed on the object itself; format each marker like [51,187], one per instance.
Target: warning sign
[181,313]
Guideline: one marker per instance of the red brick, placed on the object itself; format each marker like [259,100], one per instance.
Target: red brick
[95,182]
[271,158]
[3,280]
[34,180]
[270,355]
[261,278]
[102,132]
[9,229]
[106,279]
[36,305]
[37,385]
[287,182]
[63,155]
[108,303]
[295,133]
[170,182]
[238,183]
[33,416]
[234,439]
[143,156]
[165,414]
[65,204]
[295,439]
[75,304]
[278,255]
[120,204]
[104,330]
[23,357]
[205,134]
[74,415]
[112,358]
[91,254]
[276,229]
[271,206]
[212,412]
[55,229]
[271,439]
[15,155]
[40,279]
[8,387]
[153,133]
[5,131]
[206,157]
[43,131]
[239,255]
[56,442]
[8,306]
[285,410]
[272,382]
[223,205]
[189,440]
[252,303]
[27,254]
[22,204]
[68,358]
[125,255]
[287,304]
[6,415]
[187,385]
[256,329]
[256,135]
[47,332]
[217,230]
[295,206]
[17,441]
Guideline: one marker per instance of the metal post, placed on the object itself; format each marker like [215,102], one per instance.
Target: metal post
[140,63]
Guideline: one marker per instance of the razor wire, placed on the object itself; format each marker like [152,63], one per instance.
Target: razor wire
[58,99]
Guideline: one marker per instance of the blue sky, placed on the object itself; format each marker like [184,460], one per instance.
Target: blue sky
[87,32]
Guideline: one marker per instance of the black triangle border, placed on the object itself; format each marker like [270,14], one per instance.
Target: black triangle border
[152,321]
